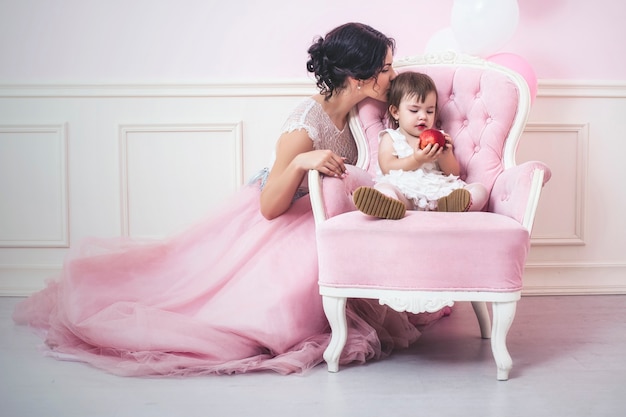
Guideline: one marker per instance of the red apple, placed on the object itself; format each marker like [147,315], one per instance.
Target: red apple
[433,136]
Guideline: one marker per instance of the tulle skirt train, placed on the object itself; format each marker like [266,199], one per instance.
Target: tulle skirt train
[233,293]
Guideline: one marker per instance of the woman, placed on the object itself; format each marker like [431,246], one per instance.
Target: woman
[237,292]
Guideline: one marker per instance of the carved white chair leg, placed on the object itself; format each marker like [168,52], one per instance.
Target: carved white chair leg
[335,310]
[482,314]
[503,314]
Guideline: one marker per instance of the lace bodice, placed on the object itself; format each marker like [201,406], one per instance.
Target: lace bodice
[310,116]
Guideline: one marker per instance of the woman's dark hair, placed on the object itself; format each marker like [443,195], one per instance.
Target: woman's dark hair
[410,84]
[350,50]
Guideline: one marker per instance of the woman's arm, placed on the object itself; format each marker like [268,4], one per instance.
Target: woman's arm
[294,158]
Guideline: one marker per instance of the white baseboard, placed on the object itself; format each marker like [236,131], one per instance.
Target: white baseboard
[563,279]
[18,281]
[23,280]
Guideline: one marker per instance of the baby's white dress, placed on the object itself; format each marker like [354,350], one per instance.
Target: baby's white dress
[423,186]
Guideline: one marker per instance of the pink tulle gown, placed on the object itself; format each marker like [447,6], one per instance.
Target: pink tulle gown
[233,293]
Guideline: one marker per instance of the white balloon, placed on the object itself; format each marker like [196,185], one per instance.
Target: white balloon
[442,41]
[482,27]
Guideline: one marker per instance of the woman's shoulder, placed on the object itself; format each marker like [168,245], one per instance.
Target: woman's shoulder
[308,115]
[307,107]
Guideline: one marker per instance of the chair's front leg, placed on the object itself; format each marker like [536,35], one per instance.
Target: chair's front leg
[335,310]
[503,314]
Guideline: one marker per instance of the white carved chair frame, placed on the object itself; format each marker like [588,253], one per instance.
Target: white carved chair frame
[503,303]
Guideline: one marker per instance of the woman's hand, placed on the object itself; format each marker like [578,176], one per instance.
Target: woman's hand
[295,156]
[325,161]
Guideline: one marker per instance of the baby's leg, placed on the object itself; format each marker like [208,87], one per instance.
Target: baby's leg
[480,196]
[381,202]
[393,192]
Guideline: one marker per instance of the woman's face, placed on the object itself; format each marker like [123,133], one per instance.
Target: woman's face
[377,87]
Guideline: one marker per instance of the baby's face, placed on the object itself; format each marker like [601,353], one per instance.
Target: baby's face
[415,116]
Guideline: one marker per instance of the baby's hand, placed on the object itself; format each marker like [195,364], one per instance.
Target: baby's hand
[430,153]
[449,143]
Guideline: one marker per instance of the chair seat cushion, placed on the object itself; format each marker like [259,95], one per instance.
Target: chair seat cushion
[475,251]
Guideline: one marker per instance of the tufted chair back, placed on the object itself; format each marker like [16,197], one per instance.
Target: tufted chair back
[479,123]
[483,106]
[480,107]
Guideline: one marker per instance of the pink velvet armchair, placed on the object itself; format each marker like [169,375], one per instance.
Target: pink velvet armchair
[429,260]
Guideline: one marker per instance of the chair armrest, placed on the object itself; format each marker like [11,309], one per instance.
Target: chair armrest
[367,120]
[332,196]
[516,191]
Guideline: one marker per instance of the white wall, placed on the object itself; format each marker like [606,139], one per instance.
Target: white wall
[579,235]
[134,161]
[101,100]
[146,162]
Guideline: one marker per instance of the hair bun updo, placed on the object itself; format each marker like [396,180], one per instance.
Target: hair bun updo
[351,50]
[318,64]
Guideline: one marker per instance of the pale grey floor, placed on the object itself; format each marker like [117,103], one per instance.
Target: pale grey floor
[569,357]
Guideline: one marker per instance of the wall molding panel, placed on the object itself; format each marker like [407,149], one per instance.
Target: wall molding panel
[181,159]
[581,89]
[34,186]
[568,149]
[289,88]
[263,88]
[145,161]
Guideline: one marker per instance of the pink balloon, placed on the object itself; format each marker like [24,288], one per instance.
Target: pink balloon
[519,65]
